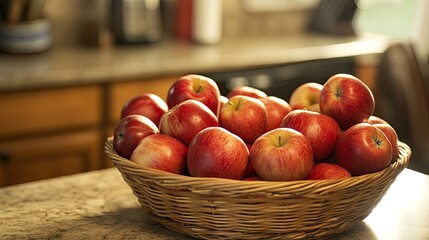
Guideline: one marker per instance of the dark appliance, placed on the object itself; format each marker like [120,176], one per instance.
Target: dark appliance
[281,81]
[136,21]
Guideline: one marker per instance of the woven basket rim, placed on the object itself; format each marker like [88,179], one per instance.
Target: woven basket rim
[185,181]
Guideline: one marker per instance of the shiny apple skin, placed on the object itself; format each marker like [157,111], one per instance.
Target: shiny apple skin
[363,149]
[161,152]
[321,130]
[277,109]
[374,120]
[253,178]
[244,116]
[323,171]
[346,99]
[247,91]
[282,154]
[390,133]
[250,172]
[148,105]
[222,101]
[186,119]
[195,87]
[129,131]
[216,152]
[306,96]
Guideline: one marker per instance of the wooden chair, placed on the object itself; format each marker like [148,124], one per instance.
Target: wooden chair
[402,98]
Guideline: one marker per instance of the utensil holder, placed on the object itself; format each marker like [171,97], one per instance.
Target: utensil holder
[26,37]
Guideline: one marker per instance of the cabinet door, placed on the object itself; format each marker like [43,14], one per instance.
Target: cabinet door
[38,158]
[33,112]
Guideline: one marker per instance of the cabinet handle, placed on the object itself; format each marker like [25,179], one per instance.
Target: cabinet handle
[4,156]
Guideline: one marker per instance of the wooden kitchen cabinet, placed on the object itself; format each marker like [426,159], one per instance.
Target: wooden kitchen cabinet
[50,132]
[35,158]
[41,111]
[368,75]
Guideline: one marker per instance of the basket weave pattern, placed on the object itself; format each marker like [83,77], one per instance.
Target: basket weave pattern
[214,208]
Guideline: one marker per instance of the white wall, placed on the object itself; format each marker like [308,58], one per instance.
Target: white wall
[392,17]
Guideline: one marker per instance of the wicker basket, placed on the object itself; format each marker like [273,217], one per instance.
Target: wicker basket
[214,208]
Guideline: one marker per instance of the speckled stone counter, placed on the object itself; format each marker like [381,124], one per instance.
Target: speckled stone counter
[99,205]
[94,205]
[71,65]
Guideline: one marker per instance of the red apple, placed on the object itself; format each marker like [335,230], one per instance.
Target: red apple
[148,105]
[374,120]
[282,154]
[195,87]
[321,130]
[363,149]
[347,99]
[306,96]
[244,116]
[253,178]
[250,171]
[129,131]
[247,91]
[222,101]
[277,109]
[161,152]
[323,171]
[390,133]
[215,152]
[186,119]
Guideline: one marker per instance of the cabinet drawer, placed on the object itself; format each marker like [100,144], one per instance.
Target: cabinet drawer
[46,110]
[120,93]
[50,156]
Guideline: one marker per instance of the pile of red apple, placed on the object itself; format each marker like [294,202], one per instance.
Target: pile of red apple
[324,132]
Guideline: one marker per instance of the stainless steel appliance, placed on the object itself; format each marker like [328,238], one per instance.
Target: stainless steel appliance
[136,21]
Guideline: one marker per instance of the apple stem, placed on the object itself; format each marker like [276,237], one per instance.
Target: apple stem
[378,141]
[121,135]
[199,88]
[235,106]
[338,93]
[280,140]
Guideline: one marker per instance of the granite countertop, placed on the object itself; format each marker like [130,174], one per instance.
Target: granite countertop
[94,205]
[84,65]
[100,205]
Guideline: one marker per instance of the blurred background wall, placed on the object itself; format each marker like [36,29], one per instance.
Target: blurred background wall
[396,18]
[70,16]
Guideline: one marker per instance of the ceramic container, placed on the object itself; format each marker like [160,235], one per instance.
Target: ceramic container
[26,37]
